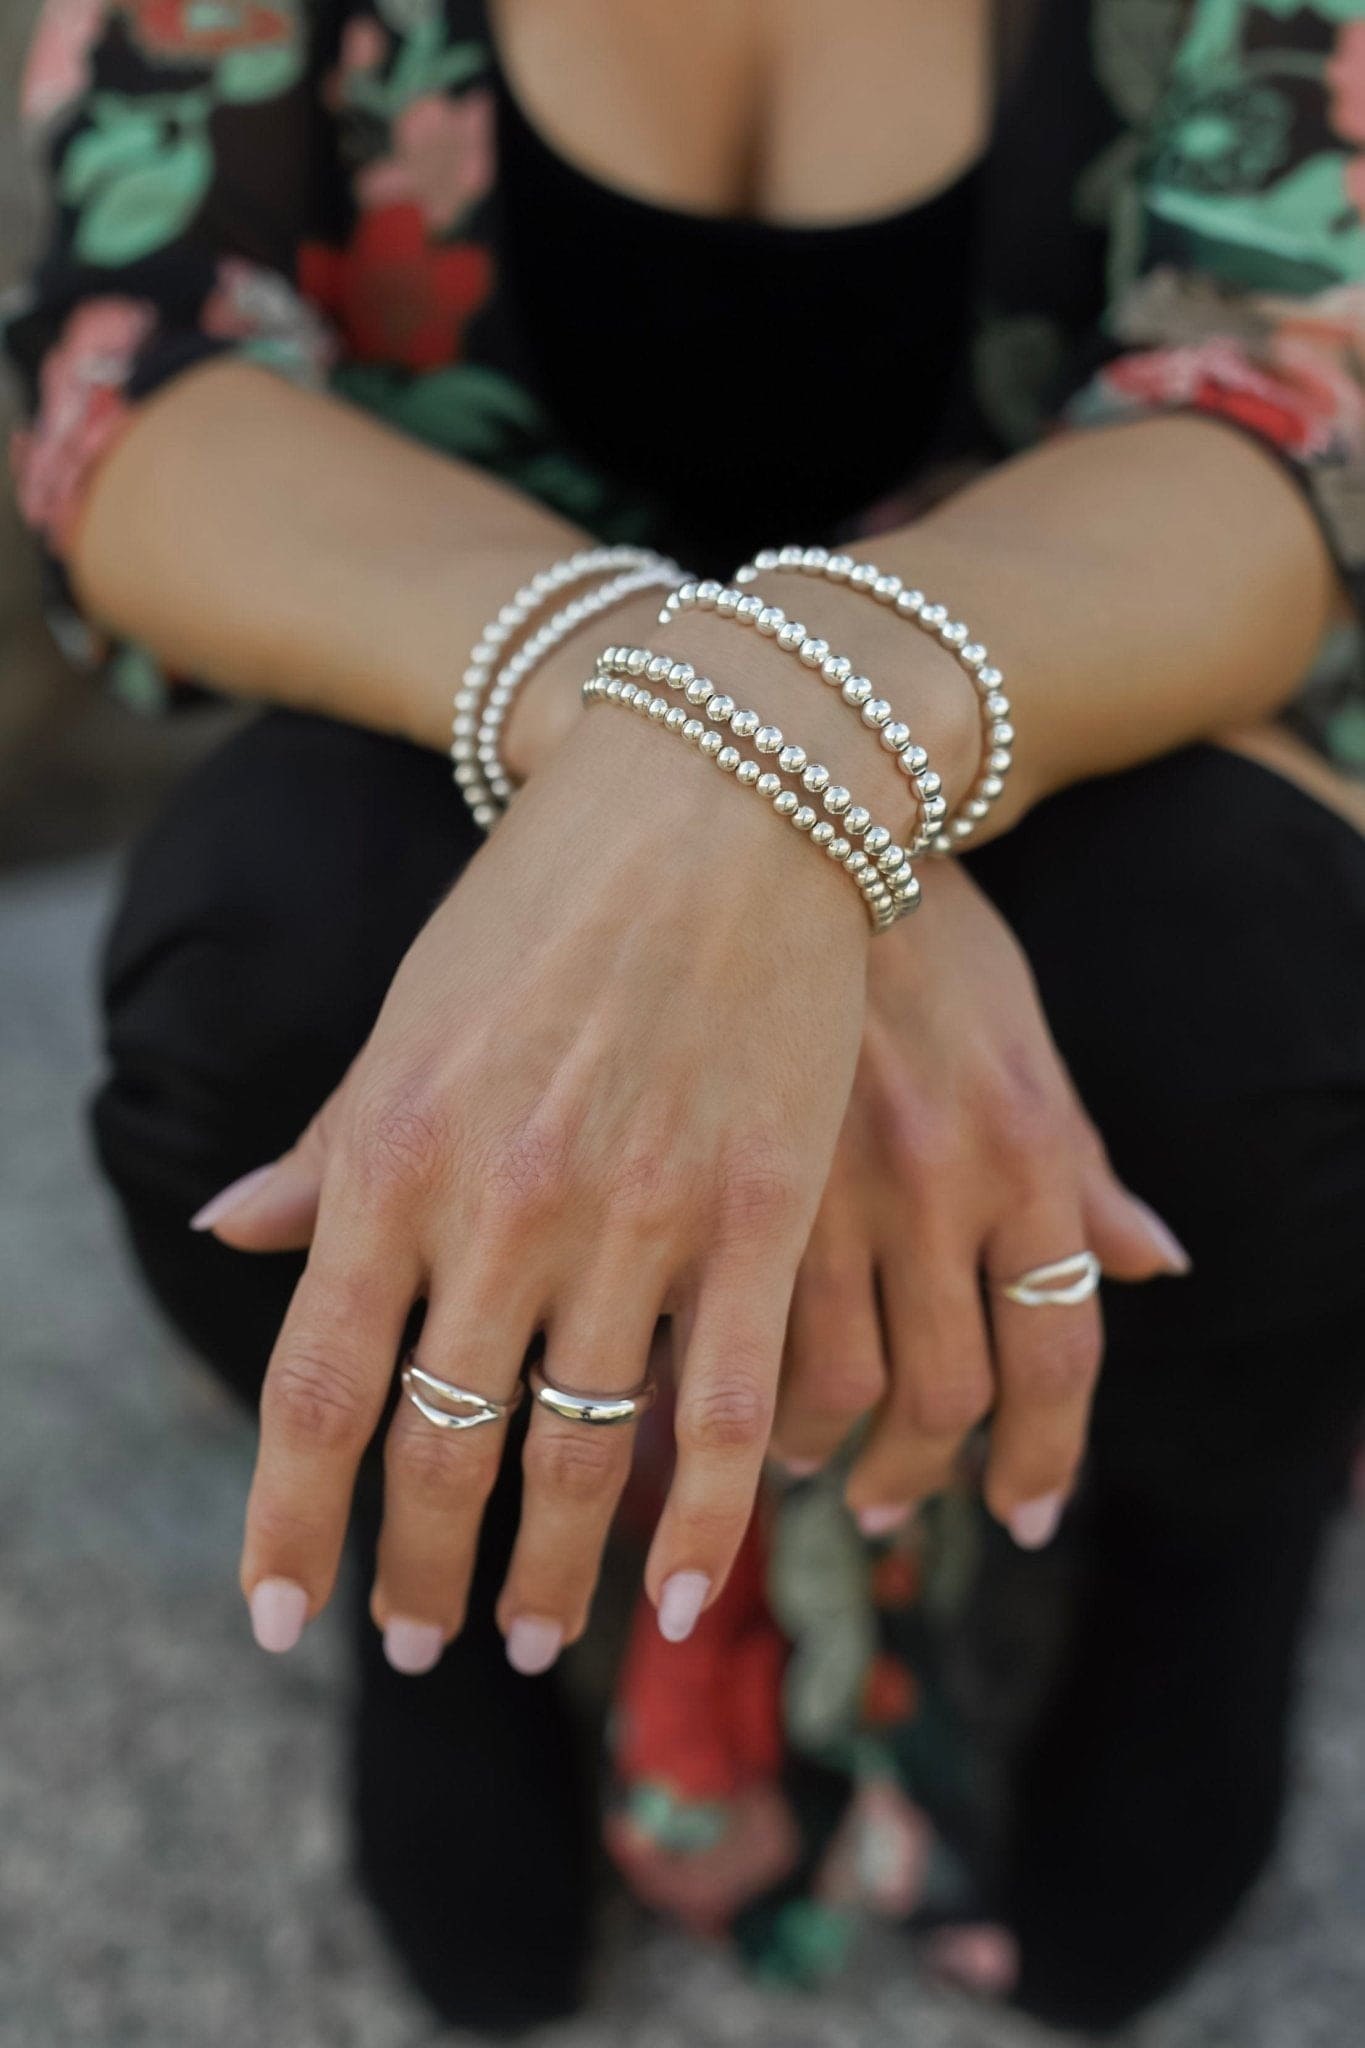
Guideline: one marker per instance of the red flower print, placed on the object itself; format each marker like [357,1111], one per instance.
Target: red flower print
[397,297]
[186,28]
[81,413]
[1298,400]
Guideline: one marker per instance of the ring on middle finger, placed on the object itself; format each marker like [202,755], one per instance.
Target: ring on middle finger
[600,1410]
[463,1409]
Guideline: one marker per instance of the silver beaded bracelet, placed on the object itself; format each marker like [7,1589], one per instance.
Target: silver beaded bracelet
[747,609]
[880,868]
[934,619]
[477,726]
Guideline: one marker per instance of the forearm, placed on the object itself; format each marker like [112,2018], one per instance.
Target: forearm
[280,545]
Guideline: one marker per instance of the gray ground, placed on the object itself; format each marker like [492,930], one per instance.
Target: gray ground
[171,1869]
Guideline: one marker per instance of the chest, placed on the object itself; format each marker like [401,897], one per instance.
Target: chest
[781,110]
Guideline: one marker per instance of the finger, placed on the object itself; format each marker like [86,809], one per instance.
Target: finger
[722,1423]
[437,1480]
[1129,1239]
[941,1383]
[275,1207]
[1047,1361]
[834,1367]
[321,1401]
[574,1472]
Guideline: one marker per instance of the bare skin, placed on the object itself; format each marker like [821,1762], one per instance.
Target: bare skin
[531,1143]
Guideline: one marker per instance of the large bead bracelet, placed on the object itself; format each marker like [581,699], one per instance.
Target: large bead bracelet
[748,609]
[937,621]
[476,727]
[879,867]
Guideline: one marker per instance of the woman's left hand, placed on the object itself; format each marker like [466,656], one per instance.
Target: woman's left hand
[965,1155]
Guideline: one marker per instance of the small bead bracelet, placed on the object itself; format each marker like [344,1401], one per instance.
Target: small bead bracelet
[838,671]
[934,619]
[487,652]
[880,868]
[579,612]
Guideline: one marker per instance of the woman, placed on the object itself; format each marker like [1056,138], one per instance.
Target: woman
[713,280]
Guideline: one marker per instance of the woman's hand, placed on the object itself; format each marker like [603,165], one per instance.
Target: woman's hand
[606,1085]
[965,1154]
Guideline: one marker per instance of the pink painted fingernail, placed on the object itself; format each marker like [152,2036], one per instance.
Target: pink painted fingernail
[413,1647]
[533,1645]
[881,1521]
[278,1610]
[798,1468]
[1034,1523]
[981,1959]
[231,1197]
[681,1600]
[1165,1240]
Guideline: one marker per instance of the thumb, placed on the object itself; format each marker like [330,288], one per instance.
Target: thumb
[1129,1239]
[274,1208]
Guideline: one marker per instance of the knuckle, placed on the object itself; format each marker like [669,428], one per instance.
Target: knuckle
[759,1188]
[920,1139]
[312,1399]
[948,1405]
[733,1412]
[526,1178]
[398,1143]
[577,1463]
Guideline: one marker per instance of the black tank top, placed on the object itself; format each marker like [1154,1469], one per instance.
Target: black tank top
[759,382]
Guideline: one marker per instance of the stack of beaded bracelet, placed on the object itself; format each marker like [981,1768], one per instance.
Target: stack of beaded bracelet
[935,619]
[879,867]
[838,671]
[485,696]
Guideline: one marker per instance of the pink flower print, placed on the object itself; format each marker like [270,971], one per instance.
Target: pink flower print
[1346,83]
[81,412]
[442,161]
[57,71]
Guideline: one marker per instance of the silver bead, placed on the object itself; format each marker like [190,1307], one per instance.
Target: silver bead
[887,589]
[838,849]
[681,674]
[914,760]
[814,651]
[768,784]
[839,568]
[815,778]
[989,678]
[895,736]
[728,603]
[991,787]
[935,809]
[934,616]
[749,573]
[975,808]
[637,661]
[910,894]
[749,608]
[699,689]
[899,875]
[467,775]
[748,773]
[813,560]
[766,558]
[862,577]
[856,690]
[803,817]
[929,783]
[910,603]
[1002,734]
[792,759]
[658,668]
[464,725]
[876,712]
[727,758]
[857,818]
[693,729]
[836,799]
[658,710]
[836,669]
[770,621]
[745,723]
[954,635]
[768,739]
[711,743]
[876,840]
[822,833]
[792,637]
[614,688]
[784,803]
[790,557]
[704,594]
[855,861]
[486,816]
[972,655]
[997,705]
[890,858]
[720,708]
[676,719]
[998,760]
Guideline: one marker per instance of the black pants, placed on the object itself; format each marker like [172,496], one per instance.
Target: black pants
[1198,931]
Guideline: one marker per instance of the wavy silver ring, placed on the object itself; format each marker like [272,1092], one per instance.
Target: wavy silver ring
[466,1409]
[602,1410]
[1063,1284]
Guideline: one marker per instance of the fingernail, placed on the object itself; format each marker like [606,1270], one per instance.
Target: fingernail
[533,1645]
[278,1610]
[1034,1523]
[413,1647]
[981,1959]
[1166,1241]
[228,1198]
[798,1468]
[680,1602]
[881,1521]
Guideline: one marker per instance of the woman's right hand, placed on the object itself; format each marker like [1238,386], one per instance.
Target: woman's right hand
[605,1086]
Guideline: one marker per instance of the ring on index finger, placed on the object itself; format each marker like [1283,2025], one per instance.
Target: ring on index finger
[449,1406]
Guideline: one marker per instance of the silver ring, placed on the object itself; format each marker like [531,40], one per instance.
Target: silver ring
[464,1410]
[602,1410]
[1063,1284]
